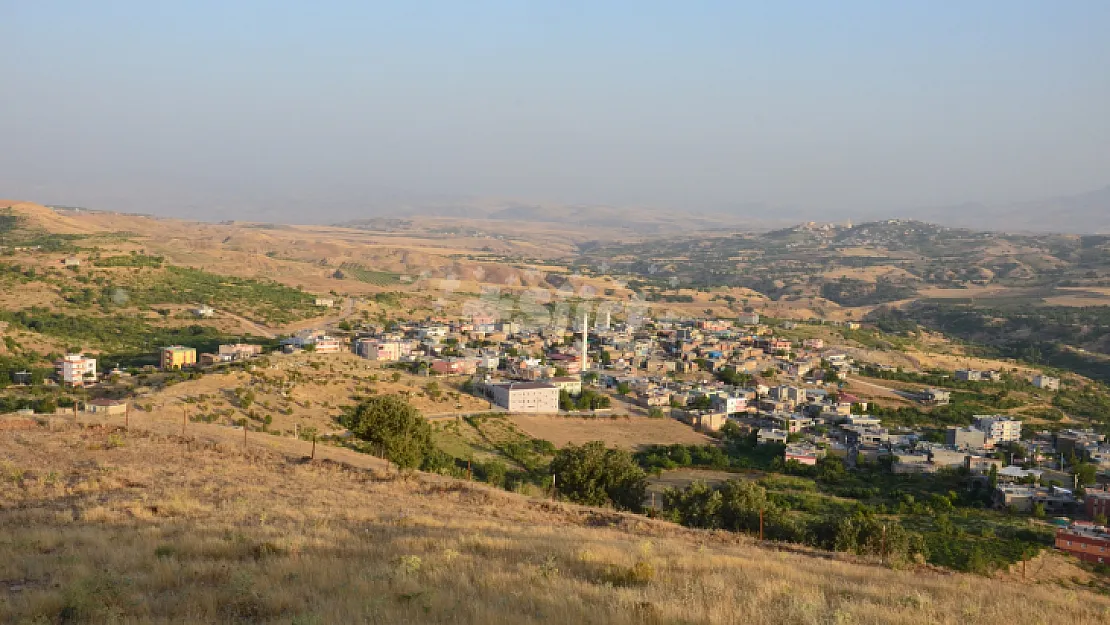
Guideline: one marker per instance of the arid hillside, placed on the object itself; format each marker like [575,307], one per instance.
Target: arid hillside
[102,525]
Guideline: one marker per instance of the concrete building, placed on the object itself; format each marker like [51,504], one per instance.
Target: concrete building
[999,428]
[177,356]
[326,344]
[324,302]
[533,397]
[76,370]
[240,351]
[969,375]
[1096,501]
[771,435]
[802,454]
[570,384]
[935,397]
[1047,383]
[965,438]
[375,349]
[748,318]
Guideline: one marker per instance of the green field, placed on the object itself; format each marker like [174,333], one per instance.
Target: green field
[362,274]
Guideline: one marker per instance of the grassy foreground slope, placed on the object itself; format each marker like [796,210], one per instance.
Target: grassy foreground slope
[106,526]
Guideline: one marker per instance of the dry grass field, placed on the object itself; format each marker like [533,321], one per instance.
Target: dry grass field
[624,432]
[101,526]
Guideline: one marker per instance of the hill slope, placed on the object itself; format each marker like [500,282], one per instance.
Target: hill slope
[102,526]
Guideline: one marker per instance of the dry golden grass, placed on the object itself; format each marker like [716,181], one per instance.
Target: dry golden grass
[623,432]
[99,526]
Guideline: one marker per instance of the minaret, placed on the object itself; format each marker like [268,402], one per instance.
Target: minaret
[585,338]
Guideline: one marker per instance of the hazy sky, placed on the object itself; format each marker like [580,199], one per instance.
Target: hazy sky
[302,109]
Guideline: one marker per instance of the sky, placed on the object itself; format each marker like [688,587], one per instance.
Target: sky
[321,111]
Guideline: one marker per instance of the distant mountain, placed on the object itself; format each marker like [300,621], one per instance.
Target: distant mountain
[1085,213]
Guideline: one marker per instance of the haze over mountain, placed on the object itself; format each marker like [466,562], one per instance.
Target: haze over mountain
[764,112]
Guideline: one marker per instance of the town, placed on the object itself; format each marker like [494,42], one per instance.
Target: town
[793,397]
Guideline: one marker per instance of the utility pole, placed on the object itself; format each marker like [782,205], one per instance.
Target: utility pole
[761,524]
[882,552]
[244,434]
[126,416]
[313,447]
[184,416]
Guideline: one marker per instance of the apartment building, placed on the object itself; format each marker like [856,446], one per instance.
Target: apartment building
[177,356]
[76,370]
[999,428]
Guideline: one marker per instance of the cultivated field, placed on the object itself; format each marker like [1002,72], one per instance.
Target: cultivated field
[100,526]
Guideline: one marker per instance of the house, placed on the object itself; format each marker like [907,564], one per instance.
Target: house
[703,420]
[177,356]
[771,435]
[802,454]
[204,311]
[969,375]
[324,302]
[71,261]
[326,344]
[935,397]
[106,406]
[531,397]
[814,343]
[76,370]
[1086,541]
[455,366]
[240,351]
[1045,382]
[1054,499]
[980,465]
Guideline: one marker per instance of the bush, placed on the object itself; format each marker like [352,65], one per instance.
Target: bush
[592,475]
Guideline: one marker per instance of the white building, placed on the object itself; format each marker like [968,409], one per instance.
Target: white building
[999,428]
[1048,383]
[76,370]
[534,397]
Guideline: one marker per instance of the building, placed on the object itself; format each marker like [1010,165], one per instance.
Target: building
[177,356]
[771,435]
[106,406]
[704,420]
[965,438]
[455,366]
[76,370]
[240,351]
[533,397]
[374,349]
[748,318]
[802,454]
[1096,501]
[324,302]
[570,384]
[1054,499]
[204,311]
[1086,541]
[969,375]
[999,428]
[814,343]
[980,465]
[935,397]
[327,344]
[1045,382]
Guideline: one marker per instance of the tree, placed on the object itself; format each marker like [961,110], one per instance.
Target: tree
[392,424]
[1085,472]
[623,388]
[992,477]
[592,475]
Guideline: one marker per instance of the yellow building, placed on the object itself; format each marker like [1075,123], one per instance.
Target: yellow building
[176,357]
